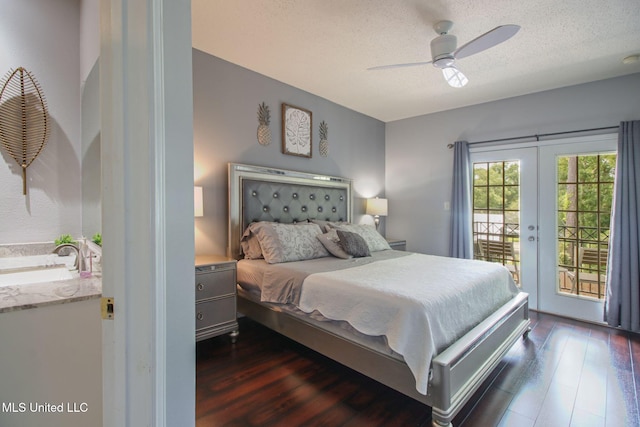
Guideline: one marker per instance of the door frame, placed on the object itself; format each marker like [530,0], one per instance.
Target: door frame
[146,109]
[547,256]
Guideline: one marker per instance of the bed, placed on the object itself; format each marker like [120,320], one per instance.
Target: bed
[416,350]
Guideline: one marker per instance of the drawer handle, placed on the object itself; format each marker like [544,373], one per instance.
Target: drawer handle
[200,286]
[200,316]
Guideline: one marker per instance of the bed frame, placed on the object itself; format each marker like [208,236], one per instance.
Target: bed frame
[268,194]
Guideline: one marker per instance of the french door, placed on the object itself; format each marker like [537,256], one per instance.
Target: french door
[505,212]
[576,192]
[543,211]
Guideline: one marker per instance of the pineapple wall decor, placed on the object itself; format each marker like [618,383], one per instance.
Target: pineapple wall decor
[264,117]
[24,120]
[324,144]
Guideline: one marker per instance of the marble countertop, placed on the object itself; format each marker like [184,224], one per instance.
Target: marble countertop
[32,295]
[21,297]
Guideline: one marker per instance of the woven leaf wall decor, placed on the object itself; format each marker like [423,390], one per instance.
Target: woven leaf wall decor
[24,120]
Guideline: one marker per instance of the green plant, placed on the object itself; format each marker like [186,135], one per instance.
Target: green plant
[97,239]
[65,238]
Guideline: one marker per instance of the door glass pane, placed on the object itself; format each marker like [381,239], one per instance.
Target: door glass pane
[480,198]
[512,173]
[495,173]
[496,214]
[496,197]
[585,193]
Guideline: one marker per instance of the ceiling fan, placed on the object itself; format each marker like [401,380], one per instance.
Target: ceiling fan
[444,53]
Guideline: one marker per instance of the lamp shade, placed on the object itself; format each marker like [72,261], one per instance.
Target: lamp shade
[377,206]
[198,209]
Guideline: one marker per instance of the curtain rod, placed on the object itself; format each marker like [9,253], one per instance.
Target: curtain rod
[542,135]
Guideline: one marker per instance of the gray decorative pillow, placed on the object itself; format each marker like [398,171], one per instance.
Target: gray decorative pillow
[370,235]
[353,244]
[289,242]
[331,242]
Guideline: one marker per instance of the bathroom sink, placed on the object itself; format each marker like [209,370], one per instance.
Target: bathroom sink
[39,275]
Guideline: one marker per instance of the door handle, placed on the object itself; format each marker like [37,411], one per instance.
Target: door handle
[532,238]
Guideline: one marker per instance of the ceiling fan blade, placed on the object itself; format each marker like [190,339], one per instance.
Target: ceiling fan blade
[486,41]
[411,64]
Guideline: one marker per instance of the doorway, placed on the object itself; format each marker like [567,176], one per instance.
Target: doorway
[543,211]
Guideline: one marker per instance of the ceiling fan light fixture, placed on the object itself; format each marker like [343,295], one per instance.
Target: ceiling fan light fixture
[443,62]
[454,77]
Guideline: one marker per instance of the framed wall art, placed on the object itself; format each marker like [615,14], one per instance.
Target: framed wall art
[296,131]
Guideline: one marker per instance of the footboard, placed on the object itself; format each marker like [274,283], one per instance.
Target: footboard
[456,373]
[460,370]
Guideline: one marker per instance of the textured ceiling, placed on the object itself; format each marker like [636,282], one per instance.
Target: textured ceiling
[325,47]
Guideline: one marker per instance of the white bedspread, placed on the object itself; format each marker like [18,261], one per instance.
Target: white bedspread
[421,303]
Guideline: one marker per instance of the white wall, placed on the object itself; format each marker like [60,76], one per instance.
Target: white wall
[43,37]
[419,165]
[89,36]
[91,167]
[90,117]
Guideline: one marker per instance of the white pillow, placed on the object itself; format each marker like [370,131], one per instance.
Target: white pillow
[288,242]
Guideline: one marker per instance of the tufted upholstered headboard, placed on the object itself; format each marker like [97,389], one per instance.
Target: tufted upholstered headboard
[266,194]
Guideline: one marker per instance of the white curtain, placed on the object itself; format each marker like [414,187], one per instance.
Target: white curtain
[461,245]
[622,305]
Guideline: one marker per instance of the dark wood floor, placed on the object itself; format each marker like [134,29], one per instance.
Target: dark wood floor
[567,373]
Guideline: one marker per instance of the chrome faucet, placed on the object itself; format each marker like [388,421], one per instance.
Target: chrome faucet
[70,245]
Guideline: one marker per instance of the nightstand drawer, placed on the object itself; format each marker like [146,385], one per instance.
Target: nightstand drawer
[214,312]
[214,283]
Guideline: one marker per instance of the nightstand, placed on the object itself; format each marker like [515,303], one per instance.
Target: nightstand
[215,297]
[398,245]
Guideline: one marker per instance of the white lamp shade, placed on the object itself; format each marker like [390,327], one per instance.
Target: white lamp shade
[198,209]
[377,207]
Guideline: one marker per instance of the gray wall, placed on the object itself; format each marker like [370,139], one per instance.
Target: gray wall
[226,99]
[419,165]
